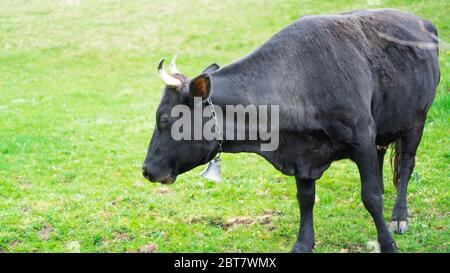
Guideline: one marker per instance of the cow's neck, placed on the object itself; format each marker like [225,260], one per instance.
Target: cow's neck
[229,89]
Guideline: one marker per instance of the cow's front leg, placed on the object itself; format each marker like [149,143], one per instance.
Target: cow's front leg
[306,192]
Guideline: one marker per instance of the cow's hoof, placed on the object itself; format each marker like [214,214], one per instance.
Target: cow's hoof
[398,227]
[389,248]
[300,247]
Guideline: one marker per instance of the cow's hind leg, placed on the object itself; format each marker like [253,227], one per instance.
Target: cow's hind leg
[381,151]
[306,193]
[365,156]
[406,153]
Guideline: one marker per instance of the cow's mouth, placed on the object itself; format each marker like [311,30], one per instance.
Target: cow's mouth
[168,180]
[163,180]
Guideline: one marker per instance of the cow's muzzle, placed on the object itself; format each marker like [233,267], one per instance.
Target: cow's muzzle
[164,179]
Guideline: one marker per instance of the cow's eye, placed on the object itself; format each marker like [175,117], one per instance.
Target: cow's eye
[164,120]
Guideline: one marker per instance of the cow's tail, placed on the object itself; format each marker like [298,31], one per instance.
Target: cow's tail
[395,162]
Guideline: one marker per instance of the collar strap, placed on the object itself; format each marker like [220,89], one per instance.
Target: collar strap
[217,125]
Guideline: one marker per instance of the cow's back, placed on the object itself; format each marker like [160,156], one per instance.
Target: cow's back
[362,63]
[333,72]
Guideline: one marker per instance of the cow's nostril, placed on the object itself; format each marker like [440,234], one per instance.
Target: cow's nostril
[147,174]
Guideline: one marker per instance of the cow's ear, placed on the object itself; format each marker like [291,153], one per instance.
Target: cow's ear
[211,68]
[200,86]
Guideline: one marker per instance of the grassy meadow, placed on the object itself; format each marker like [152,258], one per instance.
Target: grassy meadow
[78,94]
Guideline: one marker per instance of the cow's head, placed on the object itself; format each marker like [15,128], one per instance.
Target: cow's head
[166,157]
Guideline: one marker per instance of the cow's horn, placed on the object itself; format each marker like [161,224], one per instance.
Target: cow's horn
[173,66]
[165,77]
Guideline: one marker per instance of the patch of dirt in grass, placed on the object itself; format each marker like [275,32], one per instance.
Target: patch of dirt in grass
[356,249]
[148,248]
[443,228]
[122,236]
[13,244]
[24,183]
[273,212]
[162,190]
[73,247]
[118,237]
[265,219]
[262,193]
[117,200]
[25,209]
[241,220]
[139,184]
[213,221]
[45,233]
[373,247]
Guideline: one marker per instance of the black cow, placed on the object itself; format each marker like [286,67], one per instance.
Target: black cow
[347,87]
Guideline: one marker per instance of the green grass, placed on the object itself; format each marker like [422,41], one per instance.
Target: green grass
[78,92]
